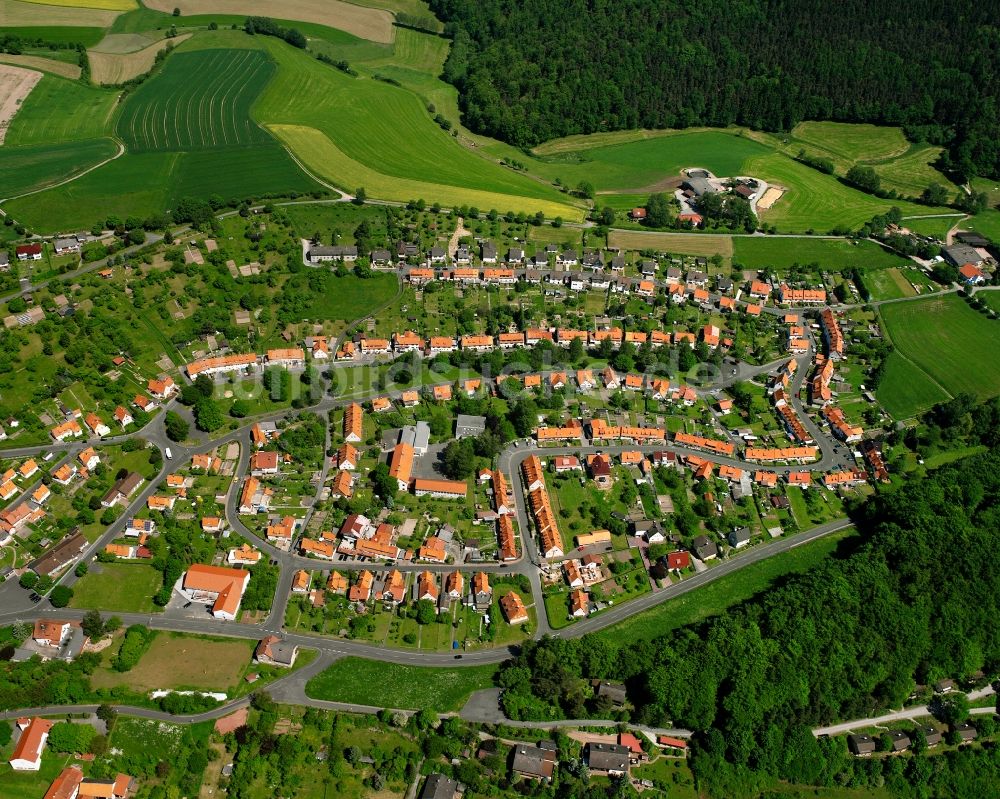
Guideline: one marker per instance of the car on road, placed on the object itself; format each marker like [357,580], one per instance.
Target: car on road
[35,597]
[458,657]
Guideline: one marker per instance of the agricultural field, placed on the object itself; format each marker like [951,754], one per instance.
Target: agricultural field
[888,284]
[679,243]
[947,344]
[24,169]
[25,14]
[133,184]
[57,67]
[85,113]
[111,67]
[366,23]
[761,252]
[905,389]
[106,5]
[405,687]
[200,100]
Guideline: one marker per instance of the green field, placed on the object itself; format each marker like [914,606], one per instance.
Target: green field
[814,200]
[132,184]
[941,344]
[126,587]
[888,284]
[84,113]
[200,100]
[371,682]
[639,164]
[60,34]
[902,165]
[716,597]
[24,169]
[188,133]
[758,252]
[936,226]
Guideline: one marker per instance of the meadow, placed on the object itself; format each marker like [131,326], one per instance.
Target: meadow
[643,163]
[24,169]
[84,113]
[199,100]
[815,201]
[183,662]
[948,344]
[760,252]
[324,159]
[905,390]
[371,682]
[126,587]
[936,226]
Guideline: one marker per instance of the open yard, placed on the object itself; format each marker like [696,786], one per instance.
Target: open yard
[371,682]
[761,252]
[183,662]
[127,587]
[949,346]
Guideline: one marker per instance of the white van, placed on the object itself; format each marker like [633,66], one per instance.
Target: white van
[168,453]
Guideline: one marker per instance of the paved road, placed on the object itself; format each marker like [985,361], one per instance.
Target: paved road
[906,714]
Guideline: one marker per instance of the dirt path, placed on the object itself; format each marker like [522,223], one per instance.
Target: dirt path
[460,230]
[16,83]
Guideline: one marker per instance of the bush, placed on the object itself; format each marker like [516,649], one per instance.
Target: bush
[137,639]
[60,596]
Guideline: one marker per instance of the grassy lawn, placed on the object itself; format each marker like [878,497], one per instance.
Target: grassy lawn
[888,284]
[716,597]
[946,341]
[181,661]
[905,390]
[758,252]
[127,587]
[673,773]
[371,682]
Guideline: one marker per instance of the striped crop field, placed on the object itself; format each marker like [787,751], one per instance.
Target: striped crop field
[200,100]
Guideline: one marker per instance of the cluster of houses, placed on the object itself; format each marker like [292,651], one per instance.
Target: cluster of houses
[392,587]
[604,755]
[160,389]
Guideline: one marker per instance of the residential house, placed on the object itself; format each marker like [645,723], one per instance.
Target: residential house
[533,762]
[513,608]
[606,759]
[275,651]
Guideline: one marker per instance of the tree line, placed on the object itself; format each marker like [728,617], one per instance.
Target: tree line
[914,602]
[541,69]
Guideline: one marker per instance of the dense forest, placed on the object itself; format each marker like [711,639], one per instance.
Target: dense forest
[917,600]
[539,69]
